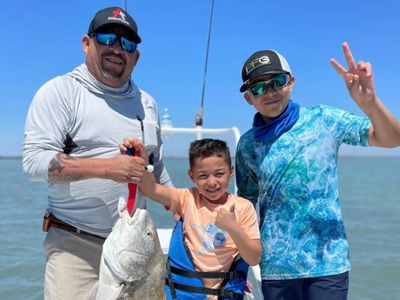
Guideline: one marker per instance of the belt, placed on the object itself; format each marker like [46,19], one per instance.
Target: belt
[54,222]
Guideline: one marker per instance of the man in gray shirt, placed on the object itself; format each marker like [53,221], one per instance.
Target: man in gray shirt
[72,131]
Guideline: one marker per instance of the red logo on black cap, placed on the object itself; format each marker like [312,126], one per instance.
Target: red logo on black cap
[118,12]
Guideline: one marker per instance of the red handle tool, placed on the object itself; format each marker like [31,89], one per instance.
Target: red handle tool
[132,187]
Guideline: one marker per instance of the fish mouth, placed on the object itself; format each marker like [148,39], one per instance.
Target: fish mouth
[140,215]
[140,212]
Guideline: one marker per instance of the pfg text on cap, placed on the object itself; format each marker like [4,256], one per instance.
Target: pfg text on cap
[262,63]
[115,16]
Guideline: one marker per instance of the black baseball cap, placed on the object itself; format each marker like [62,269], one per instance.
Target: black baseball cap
[262,63]
[115,16]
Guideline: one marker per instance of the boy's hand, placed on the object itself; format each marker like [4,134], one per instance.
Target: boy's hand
[134,145]
[226,219]
[136,165]
[358,78]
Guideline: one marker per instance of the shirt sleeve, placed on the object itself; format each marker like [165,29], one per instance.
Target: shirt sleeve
[179,200]
[249,220]
[46,127]
[246,177]
[347,127]
[160,172]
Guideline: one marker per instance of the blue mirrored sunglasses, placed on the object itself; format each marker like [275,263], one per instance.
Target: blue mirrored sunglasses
[277,82]
[110,39]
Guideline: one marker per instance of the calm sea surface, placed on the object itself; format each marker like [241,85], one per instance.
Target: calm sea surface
[370,195]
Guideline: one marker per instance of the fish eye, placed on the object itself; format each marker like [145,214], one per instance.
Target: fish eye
[148,233]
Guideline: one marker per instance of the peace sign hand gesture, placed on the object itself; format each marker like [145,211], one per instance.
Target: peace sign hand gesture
[358,78]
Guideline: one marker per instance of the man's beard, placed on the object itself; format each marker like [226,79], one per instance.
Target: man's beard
[111,74]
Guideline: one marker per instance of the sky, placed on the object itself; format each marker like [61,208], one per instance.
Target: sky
[42,39]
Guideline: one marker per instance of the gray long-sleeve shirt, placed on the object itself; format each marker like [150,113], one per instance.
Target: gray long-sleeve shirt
[97,118]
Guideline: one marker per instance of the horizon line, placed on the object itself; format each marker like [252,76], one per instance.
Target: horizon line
[185,156]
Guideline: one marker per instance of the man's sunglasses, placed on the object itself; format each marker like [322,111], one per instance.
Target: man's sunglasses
[110,39]
[277,82]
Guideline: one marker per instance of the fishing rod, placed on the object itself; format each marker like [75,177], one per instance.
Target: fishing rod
[200,114]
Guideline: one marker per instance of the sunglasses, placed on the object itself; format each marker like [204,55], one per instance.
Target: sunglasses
[277,82]
[110,39]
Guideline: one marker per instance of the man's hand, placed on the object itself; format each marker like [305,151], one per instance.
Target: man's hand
[134,145]
[125,169]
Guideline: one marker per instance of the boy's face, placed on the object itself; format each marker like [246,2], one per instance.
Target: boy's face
[273,102]
[211,176]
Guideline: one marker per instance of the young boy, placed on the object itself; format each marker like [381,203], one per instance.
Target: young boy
[287,163]
[217,236]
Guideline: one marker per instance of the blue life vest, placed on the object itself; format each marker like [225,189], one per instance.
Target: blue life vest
[184,282]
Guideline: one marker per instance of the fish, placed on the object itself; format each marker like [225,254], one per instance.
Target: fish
[132,265]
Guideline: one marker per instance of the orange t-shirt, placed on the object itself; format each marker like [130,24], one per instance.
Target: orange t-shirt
[212,248]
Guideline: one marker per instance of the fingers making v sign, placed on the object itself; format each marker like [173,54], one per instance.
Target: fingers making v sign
[358,78]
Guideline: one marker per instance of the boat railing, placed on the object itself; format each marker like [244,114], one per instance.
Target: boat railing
[199,131]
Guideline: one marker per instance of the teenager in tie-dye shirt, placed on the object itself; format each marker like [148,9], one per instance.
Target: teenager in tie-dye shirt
[287,163]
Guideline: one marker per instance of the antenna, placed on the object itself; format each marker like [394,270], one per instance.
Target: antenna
[199,115]
[126,7]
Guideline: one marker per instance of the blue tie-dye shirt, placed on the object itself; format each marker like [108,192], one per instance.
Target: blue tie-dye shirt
[294,180]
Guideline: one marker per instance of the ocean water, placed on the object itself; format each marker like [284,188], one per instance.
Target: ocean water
[370,196]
